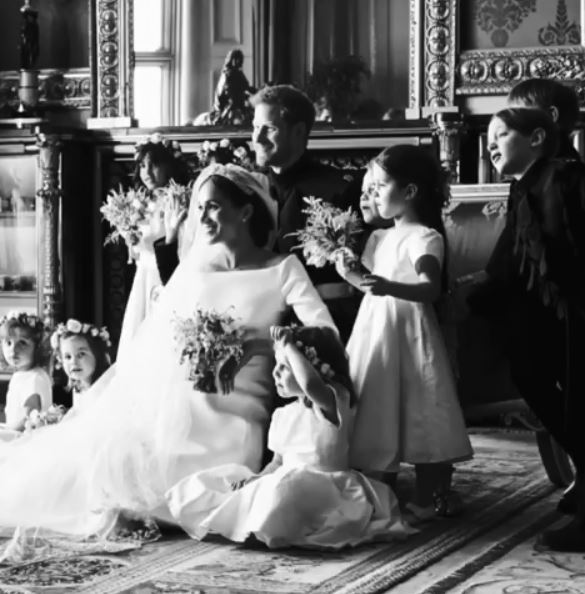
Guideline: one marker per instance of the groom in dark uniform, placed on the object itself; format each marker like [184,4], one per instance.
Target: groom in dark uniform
[283,119]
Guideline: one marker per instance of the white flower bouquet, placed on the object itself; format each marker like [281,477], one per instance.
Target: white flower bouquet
[175,192]
[329,231]
[126,212]
[206,340]
[51,416]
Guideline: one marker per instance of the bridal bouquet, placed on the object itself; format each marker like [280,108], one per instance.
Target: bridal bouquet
[51,416]
[126,212]
[206,340]
[175,191]
[329,231]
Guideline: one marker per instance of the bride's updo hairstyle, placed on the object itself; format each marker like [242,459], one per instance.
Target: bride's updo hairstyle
[261,223]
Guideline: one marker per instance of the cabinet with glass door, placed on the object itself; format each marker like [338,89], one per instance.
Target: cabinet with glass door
[20,236]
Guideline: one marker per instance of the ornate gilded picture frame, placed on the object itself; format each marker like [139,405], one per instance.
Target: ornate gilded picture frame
[111,62]
[561,55]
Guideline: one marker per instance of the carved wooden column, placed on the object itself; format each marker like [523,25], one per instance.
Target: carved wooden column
[448,127]
[50,194]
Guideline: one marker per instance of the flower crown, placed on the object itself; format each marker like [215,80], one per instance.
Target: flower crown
[24,319]
[310,353]
[72,326]
[225,151]
[157,138]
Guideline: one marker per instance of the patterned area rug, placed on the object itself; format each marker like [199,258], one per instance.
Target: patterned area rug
[505,480]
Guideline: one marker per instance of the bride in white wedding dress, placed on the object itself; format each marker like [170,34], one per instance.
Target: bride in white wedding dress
[148,427]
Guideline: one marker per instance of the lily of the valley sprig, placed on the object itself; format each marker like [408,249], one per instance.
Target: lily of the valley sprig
[205,340]
[328,231]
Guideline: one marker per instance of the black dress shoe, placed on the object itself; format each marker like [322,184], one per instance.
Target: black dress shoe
[568,502]
[568,539]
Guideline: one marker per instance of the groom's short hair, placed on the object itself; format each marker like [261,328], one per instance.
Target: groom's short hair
[294,105]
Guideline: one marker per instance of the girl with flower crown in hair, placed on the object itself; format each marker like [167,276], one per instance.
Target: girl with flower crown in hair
[81,350]
[306,496]
[29,388]
[159,163]
[408,410]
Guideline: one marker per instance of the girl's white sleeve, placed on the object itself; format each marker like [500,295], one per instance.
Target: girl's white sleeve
[300,293]
[426,242]
[367,258]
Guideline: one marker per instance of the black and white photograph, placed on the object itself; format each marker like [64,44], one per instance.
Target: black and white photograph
[292,296]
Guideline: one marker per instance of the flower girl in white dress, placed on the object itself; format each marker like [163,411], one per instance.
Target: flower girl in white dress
[408,410]
[306,496]
[81,349]
[158,161]
[30,388]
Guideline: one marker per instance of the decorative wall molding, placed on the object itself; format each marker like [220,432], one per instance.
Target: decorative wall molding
[490,72]
[440,36]
[67,88]
[111,60]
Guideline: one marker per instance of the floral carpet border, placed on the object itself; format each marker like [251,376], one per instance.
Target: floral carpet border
[380,571]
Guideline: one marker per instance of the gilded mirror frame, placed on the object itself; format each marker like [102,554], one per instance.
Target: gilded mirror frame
[495,71]
[111,62]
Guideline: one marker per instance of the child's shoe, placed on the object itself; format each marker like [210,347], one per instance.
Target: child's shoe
[448,504]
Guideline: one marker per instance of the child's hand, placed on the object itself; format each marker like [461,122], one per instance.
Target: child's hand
[174,215]
[376,285]
[282,335]
[226,373]
[344,263]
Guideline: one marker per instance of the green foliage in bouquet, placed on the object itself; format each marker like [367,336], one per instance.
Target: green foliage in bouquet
[328,231]
[206,340]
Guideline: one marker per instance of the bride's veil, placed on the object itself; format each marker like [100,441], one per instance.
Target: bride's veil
[120,451]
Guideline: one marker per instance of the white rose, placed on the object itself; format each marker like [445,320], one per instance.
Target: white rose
[73,326]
